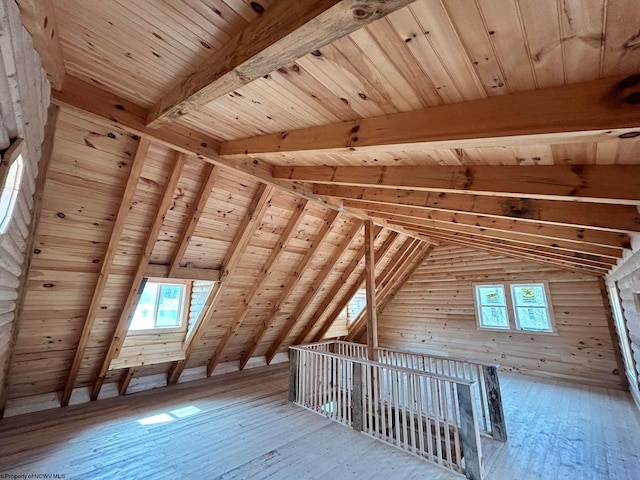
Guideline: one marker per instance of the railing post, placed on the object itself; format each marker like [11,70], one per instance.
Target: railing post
[470,433]
[494,399]
[294,355]
[356,398]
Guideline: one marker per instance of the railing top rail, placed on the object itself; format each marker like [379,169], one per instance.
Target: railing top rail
[454,359]
[373,363]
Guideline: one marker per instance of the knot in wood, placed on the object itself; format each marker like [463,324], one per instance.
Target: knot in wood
[362,12]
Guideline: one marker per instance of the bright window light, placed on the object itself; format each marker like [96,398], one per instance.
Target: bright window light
[161,306]
[154,420]
[9,193]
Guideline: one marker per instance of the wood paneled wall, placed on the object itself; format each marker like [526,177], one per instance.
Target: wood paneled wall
[434,312]
[24,99]
[626,279]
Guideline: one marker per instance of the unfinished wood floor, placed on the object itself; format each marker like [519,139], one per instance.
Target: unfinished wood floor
[240,426]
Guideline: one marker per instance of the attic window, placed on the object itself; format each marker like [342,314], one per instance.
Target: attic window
[161,305]
[514,306]
[355,306]
[11,170]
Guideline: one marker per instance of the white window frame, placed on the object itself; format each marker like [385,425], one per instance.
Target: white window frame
[511,307]
[13,156]
[183,312]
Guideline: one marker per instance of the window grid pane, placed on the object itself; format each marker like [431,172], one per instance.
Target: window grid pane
[530,306]
[492,306]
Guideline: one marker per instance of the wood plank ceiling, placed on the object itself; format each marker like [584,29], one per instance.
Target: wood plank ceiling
[506,125]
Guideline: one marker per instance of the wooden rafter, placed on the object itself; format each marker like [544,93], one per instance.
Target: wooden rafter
[256,210]
[283,33]
[36,211]
[211,175]
[293,282]
[579,237]
[527,254]
[107,264]
[125,380]
[289,232]
[576,257]
[617,218]
[38,17]
[370,286]
[289,287]
[581,112]
[314,289]
[479,226]
[137,282]
[357,285]
[593,183]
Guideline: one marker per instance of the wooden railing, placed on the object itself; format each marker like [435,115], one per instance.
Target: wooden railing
[484,374]
[428,414]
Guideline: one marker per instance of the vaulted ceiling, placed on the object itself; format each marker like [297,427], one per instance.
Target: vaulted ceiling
[505,125]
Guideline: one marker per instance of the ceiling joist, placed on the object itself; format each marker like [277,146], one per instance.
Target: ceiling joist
[616,184]
[582,112]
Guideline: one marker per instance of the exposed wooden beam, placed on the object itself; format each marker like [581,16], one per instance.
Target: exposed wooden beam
[211,175]
[289,232]
[387,280]
[580,258]
[36,211]
[370,286]
[310,295]
[125,380]
[285,32]
[357,285]
[581,112]
[289,287]
[592,183]
[579,238]
[38,17]
[256,210]
[107,264]
[137,282]
[182,273]
[618,218]
[485,228]
[525,254]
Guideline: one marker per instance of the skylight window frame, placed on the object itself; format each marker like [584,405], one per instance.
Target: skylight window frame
[184,309]
[13,155]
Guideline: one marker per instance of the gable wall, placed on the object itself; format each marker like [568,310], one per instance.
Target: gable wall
[435,312]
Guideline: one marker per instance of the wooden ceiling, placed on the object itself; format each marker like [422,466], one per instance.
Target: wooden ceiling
[508,126]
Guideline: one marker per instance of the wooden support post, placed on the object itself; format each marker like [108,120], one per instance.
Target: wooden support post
[357,417]
[494,398]
[125,380]
[294,355]
[370,282]
[470,433]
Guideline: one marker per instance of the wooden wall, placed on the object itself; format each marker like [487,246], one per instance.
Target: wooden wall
[24,98]
[626,279]
[435,312]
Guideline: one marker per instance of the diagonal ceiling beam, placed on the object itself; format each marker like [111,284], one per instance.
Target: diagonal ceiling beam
[211,175]
[137,282]
[620,218]
[331,297]
[107,264]
[310,294]
[285,32]
[289,232]
[581,112]
[38,17]
[595,183]
[321,236]
[256,210]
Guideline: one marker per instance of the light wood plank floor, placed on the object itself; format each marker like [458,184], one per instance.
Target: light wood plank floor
[240,426]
